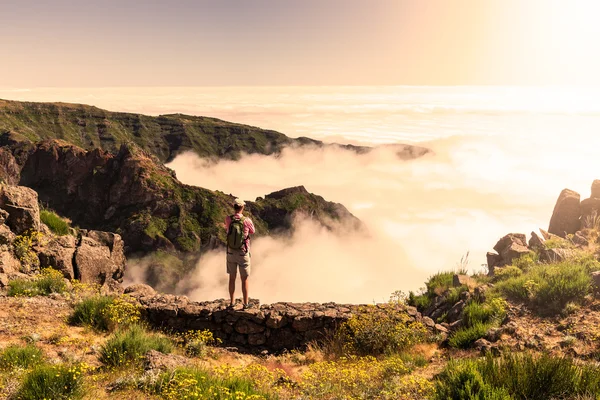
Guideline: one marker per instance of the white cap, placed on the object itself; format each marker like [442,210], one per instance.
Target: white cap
[239,202]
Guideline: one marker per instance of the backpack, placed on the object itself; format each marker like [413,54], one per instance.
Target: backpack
[235,234]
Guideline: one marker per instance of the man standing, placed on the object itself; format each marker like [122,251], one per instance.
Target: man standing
[239,229]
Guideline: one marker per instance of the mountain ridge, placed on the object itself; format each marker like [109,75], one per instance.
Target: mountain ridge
[164,136]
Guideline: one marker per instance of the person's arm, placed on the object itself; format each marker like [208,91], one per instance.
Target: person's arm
[251,229]
[227,222]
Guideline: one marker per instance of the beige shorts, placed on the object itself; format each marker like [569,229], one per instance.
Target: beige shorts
[238,258]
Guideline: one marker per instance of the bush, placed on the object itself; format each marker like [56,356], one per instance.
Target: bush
[56,224]
[548,288]
[48,281]
[492,310]
[380,330]
[92,312]
[127,346]
[196,343]
[54,382]
[22,247]
[518,376]
[16,356]
[350,378]
[465,336]
[194,383]
[436,285]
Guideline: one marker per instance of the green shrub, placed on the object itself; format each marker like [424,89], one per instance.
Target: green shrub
[48,281]
[462,380]
[16,356]
[492,310]
[194,383]
[127,346]
[520,376]
[549,287]
[465,336]
[92,312]
[104,313]
[56,224]
[56,382]
[380,330]
[437,284]
[507,272]
[526,261]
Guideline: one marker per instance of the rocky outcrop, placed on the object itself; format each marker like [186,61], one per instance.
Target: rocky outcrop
[566,215]
[21,203]
[273,327]
[93,257]
[132,193]
[508,248]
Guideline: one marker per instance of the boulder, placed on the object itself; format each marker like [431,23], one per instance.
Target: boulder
[596,281]
[140,290]
[536,242]
[6,235]
[8,263]
[58,254]
[9,168]
[595,189]
[507,240]
[21,203]
[99,257]
[580,240]
[555,255]
[513,252]
[590,213]
[493,260]
[566,214]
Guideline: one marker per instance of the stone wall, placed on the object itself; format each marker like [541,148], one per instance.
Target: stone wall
[270,327]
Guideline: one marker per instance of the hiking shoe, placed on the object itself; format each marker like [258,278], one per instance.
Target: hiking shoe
[229,307]
[246,306]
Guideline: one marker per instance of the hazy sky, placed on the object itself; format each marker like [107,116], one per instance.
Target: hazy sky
[68,43]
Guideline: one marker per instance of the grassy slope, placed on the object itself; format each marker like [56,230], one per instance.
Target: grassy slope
[164,136]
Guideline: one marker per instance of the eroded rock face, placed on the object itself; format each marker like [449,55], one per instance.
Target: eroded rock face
[58,254]
[566,215]
[99,257]
[21,203]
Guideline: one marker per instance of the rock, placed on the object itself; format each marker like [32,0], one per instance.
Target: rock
[555,255]
[157,361]
[596,281]
[482,345]
[536,242]
[513,252]
[545,234]
[479,292]
[494,334]
[455,312]
[590,213]
[566,215]
[8,263]
[439,328]
[111,287]
[99,257]
[580,240]
[9,168]
[3,216]
[58,254]
[428,322]
[461,280]
[139,290]
[21,203]
[595,189]
[493,261]
[509,239]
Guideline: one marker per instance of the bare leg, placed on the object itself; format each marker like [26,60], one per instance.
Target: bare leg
[231,287]
[245,288]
